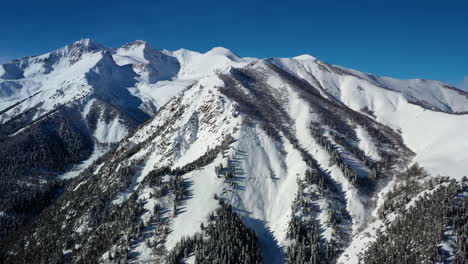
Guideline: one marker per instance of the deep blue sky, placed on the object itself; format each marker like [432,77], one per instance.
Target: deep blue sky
[404,39]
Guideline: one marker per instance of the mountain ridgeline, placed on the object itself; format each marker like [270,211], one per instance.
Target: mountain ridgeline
[140,155]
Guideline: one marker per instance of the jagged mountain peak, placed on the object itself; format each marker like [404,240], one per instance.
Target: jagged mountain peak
[76,49]
[88,43]
[139,44]
[46,63]
[139,48]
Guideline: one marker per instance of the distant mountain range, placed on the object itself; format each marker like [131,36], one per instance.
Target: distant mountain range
[140,155]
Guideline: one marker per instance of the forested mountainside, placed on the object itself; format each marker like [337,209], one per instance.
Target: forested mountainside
[428,221]
[240,160]
[57,114]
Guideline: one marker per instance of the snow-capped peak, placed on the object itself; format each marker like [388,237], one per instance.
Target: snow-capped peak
[184,55]
[88,43]
[305,57]
[150,63]
[79,47]
[195,65]
[221,51]
[137,44]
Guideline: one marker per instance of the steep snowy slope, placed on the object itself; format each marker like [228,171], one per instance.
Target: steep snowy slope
[101,94]
[402,105]
[290,157]
[436,137]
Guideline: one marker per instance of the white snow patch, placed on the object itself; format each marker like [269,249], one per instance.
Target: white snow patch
[203,185]
[366,144]
[110,132]
[437,138]
[77,169]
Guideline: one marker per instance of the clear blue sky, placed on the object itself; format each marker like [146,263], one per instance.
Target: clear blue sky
[404,39]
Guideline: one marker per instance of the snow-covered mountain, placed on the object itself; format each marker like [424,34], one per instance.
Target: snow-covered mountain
[311,156]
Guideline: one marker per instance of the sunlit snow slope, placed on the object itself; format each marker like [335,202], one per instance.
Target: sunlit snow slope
[431,116]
